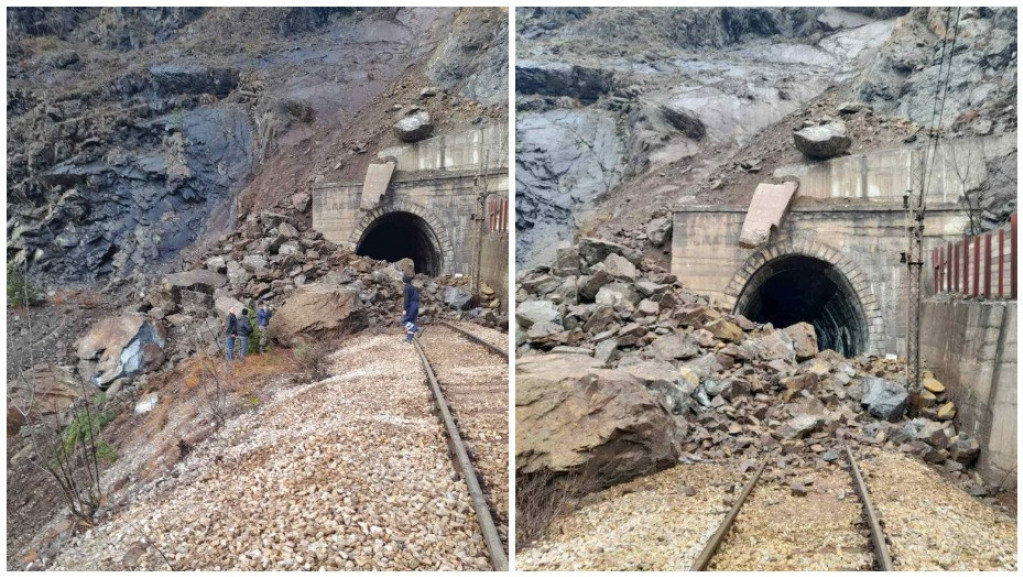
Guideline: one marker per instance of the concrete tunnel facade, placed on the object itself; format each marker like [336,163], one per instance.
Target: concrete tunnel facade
[426,209]
[833,260]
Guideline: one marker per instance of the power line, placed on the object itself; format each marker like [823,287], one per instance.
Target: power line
[916,209]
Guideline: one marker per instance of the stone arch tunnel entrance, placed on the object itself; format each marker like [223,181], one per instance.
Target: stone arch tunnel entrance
[397,235]
[795,288]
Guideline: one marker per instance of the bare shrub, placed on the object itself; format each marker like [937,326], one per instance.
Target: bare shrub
[312,357]
[543,496]
[71,454]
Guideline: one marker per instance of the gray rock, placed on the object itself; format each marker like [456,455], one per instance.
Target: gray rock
[414,127]
[254,262]
[618,295]
[567,262]
[540,311]
[169,79]
[884,399]
[290,247]
[619,267]
[216,264]
[604,351]
[823,141]
[658,231]
[684,120]
[458,298]
[204,281]
[670,347]
[558,79]
[965,450]
[301,201]
[594,250]
[799,426]
[592,284]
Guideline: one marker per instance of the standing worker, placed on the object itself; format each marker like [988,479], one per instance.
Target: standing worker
[244,330]
[232,332]
[410,308]
[263,315]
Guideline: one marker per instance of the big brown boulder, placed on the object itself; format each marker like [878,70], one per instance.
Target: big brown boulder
[318,311]
[120,346]
[573,416]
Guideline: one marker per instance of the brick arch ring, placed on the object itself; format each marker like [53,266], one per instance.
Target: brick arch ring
[436,229]
[857,280]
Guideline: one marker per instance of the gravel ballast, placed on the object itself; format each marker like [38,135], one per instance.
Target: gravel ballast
[811,528]
[656,523]
[934,525]
[475,385]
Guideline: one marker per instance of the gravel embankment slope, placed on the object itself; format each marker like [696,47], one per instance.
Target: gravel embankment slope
[348,473]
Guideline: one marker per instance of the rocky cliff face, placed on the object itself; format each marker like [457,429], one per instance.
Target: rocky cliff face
[658,105]
[133,131]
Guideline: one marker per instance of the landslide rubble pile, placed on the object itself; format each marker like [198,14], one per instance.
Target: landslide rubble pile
[624,371]
[320,290]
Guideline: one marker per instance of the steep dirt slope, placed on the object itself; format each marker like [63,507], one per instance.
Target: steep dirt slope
[132,131]
[615,126]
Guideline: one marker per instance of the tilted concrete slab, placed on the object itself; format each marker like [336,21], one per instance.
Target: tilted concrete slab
[378,177]
[766,211]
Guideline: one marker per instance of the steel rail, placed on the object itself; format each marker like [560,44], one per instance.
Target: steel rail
[884,559]
[703,560]
[479,501]
[475,339]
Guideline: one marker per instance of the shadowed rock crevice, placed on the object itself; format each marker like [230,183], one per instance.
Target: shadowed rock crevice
[399,235]
[794,289]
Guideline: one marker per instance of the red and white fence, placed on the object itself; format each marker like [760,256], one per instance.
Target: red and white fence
[979,266]
[498,211]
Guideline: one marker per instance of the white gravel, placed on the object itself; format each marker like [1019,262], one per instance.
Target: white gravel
[348,473]
[934,525]
[646,524]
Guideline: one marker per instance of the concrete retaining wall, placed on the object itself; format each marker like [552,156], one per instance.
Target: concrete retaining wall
[495,261]
[971,347]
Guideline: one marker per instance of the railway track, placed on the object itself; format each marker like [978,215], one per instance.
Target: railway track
[471,393]
[882,559]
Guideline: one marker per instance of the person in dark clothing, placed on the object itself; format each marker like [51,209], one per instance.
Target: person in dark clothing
[244,330]
[410,309]
[263,315]
[232,333]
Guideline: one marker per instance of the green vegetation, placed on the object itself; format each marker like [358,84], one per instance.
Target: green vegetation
[83,432]
[20,292]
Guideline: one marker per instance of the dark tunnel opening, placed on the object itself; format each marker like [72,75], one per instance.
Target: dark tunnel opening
[797,288]
[399,235]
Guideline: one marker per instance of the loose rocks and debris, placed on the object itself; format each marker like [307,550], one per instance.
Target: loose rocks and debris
[621,366]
